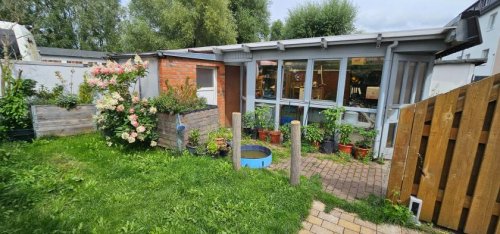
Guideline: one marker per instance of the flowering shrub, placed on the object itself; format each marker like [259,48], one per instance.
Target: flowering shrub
[122,117]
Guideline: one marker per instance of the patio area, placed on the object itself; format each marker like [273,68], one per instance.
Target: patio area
[349,180]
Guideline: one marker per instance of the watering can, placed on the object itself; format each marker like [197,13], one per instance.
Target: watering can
[181,128]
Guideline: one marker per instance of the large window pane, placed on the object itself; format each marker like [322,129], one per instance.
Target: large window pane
[294,76]
[265,86]
[363,82]
[314,115]
[422,74]
[325,80]
[289,113]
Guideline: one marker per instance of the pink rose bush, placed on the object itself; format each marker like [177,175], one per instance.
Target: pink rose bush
[123,117]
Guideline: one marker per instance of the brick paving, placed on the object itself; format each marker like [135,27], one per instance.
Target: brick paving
[339,221]
[349,181]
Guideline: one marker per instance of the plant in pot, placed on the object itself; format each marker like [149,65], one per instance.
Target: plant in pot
[363,147]
[193,141]
[313,134]
[263,120]
[221,138]
[285,131]
[249,123]
[345,131]
[332,118]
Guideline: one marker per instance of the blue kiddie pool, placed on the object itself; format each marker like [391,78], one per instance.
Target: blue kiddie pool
[255,156]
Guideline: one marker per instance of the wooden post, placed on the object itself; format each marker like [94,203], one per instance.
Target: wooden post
[236,140]
[295,159]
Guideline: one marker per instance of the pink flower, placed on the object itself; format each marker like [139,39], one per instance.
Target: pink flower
[134,123]
[120,108]
[135,99]
[131,140]
[133,134]
[141,129]
[132,117]
[131,110]
[112,81]
[95,71]
[105,70]
[145,64]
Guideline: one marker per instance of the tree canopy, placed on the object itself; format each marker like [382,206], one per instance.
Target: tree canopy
[252,19]
[276,31]
[76,24]
[160,24]
[329,17]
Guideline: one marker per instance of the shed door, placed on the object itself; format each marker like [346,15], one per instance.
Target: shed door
[206,81]
[408,84]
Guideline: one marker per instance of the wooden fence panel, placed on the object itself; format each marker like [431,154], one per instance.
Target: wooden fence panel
[51,120]
[399,155]
[442,119]
[469,131]
[447,153]
[488,184]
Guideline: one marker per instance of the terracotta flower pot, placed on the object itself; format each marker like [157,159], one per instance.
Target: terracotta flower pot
[263,134]
[275,137]
[345,148]
[360,153]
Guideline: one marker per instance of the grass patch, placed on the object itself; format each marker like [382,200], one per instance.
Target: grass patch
[78,184]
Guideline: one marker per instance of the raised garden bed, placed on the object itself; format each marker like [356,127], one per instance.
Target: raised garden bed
[205,120]
[51,120]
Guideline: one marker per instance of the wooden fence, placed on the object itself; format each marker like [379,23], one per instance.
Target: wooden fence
[447,153]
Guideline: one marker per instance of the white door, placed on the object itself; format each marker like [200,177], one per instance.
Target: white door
[206,81]
[408,84]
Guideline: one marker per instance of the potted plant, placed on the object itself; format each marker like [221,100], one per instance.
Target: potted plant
[263,120]
[362,147]
[285,131]
[331,124]
[220,139]
[345,131]
[193,141]
[313,134]
[249,124]
[275,136]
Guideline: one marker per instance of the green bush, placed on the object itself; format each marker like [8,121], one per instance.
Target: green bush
[68,101]
[179,99]
[313,133]
[85,93]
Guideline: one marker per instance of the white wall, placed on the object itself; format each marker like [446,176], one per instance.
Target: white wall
[44,74]
[66,59]
[446,77]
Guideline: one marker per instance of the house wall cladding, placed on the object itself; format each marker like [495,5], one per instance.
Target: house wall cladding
[49,120]
[205,121]
[176,70]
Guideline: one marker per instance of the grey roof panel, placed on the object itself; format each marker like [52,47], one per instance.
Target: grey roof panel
[51,51]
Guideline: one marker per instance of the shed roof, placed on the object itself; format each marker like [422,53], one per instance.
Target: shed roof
[51,51]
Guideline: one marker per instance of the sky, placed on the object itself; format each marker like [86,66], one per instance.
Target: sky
[390,15]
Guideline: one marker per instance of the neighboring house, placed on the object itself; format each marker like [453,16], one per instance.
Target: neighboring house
[489,21]
[371,75]
[73,56]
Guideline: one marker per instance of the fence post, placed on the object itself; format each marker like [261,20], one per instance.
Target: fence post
[236,140]
[295,159]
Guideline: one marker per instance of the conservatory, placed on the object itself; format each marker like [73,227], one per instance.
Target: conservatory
[371,75]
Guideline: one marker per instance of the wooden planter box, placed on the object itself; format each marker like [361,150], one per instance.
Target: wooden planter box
[51,120]
[205,120]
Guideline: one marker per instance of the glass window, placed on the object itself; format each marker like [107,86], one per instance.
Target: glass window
[294,76]
[314,115]
[399,82]
[289,113]
[409,82]
[325,80]
[265,86]
[491,22]
[204,77]
[422,73]
[363,82]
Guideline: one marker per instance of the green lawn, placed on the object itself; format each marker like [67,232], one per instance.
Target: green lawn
[78,184]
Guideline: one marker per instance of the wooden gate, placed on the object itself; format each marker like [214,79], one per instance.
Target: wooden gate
[447,153]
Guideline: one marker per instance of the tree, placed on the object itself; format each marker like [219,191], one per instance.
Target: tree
[160,24]
[252,19]
[330,17]
[276,31]
[72,24]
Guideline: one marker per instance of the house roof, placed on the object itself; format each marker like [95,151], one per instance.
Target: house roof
[408,35]
[51,51]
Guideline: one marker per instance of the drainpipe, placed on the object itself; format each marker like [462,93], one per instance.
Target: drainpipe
[381,104]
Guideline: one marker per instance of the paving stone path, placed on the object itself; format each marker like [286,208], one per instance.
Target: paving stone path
[339,221]
[348,181]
